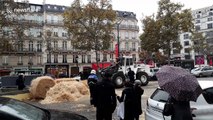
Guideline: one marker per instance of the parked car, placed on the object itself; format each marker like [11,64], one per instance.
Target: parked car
[202,109]
[11,109]
[202,71]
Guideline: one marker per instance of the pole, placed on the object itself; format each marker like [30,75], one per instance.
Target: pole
[118,42]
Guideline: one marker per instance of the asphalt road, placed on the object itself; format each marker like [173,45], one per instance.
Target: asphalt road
[84,108]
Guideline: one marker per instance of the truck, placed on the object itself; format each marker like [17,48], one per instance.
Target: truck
[119,71]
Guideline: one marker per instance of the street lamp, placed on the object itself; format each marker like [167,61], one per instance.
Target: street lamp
[118,29]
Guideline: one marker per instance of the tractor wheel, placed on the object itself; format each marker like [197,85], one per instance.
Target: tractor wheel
[118,79]
[143,77]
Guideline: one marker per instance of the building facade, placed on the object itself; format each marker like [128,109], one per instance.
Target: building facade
[48,46]
[203,22]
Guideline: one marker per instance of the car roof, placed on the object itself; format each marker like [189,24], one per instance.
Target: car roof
[206,84]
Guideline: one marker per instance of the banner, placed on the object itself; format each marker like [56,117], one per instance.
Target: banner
[199,59]
[116,51]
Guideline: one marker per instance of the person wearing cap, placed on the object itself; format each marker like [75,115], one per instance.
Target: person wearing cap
[138,93]
[105,98]
[91,81]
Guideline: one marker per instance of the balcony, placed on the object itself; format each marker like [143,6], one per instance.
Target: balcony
[54,23]
[20,63]
[67,50]
[128,27]
[22,51]
[5,64]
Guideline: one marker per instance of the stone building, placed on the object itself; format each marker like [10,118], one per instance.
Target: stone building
[48,46]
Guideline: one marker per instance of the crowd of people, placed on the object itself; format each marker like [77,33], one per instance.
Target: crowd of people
[104,98]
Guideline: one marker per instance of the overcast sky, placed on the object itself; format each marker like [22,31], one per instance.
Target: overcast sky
[140,7]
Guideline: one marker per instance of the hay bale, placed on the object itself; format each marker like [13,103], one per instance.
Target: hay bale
[64,80]
[85,83]
[40,86]
[65,91]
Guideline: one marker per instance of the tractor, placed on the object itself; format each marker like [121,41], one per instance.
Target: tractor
[119,71]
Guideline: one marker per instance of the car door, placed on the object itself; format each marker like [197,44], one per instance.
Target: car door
[202,109]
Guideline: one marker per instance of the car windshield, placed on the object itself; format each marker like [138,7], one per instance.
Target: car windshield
[21,110]
[197,69]
[208,95]
[160,95]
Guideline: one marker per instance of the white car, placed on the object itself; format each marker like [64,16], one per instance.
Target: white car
[202,109]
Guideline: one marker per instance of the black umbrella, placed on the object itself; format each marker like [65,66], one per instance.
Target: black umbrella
[179,83]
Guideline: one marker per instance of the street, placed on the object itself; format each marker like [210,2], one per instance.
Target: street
[149,89]
[84,108]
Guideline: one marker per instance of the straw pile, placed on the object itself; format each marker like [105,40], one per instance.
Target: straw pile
[64,91]
[64,80]
[40,86]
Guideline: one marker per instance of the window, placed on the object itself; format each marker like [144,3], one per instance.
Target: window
[186,36]
[20,46]
[39,59]
[30,61]
[209,25]
[64,59]
[64,34]
[186,43]
[187,50]
[210,13]
[197,21]
[133,46]
[98,57]
[198,16]
[4,59]
[126,46]
[88,58]
[134,57]
[75,59]
[55,34]
[20,59]
[55,44]
[175,51]
[111,56]
[39,43]
[48,58]
[64,45]
[31,46]
[111,46]
[187,57]
[32,8]
[197,27]
[55,58]
[210,19]
[83,58]
[104,57]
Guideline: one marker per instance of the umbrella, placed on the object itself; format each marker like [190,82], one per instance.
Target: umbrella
[179,83]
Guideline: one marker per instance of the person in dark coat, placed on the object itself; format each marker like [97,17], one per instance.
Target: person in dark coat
[128,96]
[138,93]
[91,81]
[20,82]
[131,75]
[182,110]
[105,98]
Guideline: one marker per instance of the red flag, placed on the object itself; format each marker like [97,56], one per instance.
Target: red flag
[116,51]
